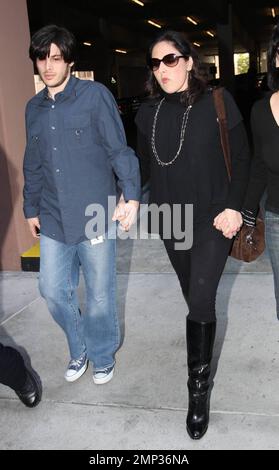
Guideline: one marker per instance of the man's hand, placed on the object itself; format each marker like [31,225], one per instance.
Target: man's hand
[126,213]
[119,211]
[33,223]
[228,222]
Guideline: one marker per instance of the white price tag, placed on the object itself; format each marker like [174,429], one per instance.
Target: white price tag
[97,240]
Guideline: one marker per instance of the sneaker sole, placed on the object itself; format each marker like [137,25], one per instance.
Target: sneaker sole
[78,374]
[104,380]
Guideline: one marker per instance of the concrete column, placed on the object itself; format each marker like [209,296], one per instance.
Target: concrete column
[226,51]
[16,87]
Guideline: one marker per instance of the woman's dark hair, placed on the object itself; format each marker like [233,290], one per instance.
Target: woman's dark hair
[52,34]
[273,71]
[196,85]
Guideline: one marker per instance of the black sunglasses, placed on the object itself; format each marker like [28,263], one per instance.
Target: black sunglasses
[171,60]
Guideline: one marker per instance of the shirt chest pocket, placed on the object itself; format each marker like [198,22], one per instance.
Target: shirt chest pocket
[78,131]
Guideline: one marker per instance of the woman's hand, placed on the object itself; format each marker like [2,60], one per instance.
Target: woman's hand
[131,208]
[228,222]
[126,213]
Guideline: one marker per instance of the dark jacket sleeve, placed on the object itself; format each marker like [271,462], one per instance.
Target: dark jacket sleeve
[143,150]
[144,158]
[32,174]
[258,172]
[240,154]
[122,158]
[240,158]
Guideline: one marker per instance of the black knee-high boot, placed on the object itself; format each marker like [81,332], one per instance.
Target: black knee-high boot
[200,341]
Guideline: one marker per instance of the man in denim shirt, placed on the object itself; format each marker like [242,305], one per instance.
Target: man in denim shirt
[76,152]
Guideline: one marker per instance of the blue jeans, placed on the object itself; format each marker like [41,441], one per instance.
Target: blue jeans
[96,331]
[272,242]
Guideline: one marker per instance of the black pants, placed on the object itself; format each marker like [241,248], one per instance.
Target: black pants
[199,270]
[12,368]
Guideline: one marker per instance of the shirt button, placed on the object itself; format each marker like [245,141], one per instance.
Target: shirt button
[57,171]
[53,106]
[53,128]
[54,148]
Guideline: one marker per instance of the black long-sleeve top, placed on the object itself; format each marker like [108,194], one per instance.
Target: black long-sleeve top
[265,163]
[199,175]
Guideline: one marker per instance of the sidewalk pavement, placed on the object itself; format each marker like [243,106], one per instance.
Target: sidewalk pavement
[144,406]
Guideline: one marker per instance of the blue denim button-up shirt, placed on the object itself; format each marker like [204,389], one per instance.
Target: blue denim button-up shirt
[76,151]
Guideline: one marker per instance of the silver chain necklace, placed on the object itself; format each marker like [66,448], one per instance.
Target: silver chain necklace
[182,134]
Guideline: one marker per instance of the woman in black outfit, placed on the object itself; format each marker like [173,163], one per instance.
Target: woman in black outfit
[265,164]
[179,145]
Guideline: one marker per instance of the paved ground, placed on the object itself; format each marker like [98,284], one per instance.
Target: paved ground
[145,405]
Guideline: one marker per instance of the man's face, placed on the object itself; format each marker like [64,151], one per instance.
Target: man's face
[53,70]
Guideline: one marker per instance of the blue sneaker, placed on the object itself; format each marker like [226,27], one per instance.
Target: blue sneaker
[76,368]
[102,376]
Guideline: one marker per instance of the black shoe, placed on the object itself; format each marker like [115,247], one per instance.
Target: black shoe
[31,392]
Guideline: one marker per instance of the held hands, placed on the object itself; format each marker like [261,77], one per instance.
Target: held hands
[33,223]
[126,213]
[229,222]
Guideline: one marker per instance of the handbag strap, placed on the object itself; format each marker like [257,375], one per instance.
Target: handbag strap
[218,97]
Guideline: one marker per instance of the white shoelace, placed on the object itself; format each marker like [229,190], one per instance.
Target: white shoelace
[75,362]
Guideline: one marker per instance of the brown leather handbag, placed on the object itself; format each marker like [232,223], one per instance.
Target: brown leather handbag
[249,243]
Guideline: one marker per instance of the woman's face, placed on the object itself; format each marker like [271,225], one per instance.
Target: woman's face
[171,79]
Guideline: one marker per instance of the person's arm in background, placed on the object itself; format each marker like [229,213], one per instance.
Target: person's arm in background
[230,220]
[143,151]
[144,158]
[144,162]
[258,178]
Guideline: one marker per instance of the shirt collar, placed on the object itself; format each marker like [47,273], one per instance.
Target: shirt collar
[68,90]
